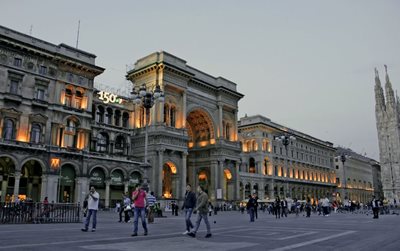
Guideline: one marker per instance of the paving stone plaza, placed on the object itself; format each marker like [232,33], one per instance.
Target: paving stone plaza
[231,231]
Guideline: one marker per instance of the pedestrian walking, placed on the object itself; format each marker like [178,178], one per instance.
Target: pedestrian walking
[284,207]
[93,205]
[139,201]
[151,202]
[122,207]
[277,207]
[325,206]
[375,207]
[188,206]
[250,207]
[127,208]
[201,207]
[308,207]
[255,197]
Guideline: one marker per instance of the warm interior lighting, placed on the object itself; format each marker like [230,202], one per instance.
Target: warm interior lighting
[212,141]
[228,174]
[203,143]
[190,144]
[21,137]
[172,167]
[167,195]
[55,163]
[202,176]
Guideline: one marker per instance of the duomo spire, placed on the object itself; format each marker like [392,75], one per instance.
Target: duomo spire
[389,90]
[379,97]
[387,124]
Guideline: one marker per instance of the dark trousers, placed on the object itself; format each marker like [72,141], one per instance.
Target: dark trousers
[284,211]
[255,212]
[251,212]
[278,212]
[376,212]
[121,209]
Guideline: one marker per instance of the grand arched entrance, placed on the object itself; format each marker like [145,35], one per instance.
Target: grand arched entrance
[7,178]
[169,181]
[67,184]
[31,180]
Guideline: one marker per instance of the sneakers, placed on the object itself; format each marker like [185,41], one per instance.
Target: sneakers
[94,230]
[134,234]
[191,234]
[186,232]
[208,236]
[84,229]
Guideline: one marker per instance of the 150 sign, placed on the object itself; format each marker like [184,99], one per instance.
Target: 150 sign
[107,97]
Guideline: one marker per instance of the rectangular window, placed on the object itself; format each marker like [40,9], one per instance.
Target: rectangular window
[43,70]
[274,149]
[14,86]
[18,62]
[40,94]
[280,150]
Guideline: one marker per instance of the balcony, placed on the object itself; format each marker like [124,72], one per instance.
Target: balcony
[21,144]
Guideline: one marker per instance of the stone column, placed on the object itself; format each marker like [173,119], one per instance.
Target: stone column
[183,109]
[235,137]
[17,176]
[220,118]
[221,177]
[237,182]
[4,185]
[107,199]
[159,172]
[271,190]
[213,178]
[52,188]
[183,174]
[126,186]
[81,189]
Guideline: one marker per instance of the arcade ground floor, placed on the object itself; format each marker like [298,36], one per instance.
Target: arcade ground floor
[270,188]
[359,195]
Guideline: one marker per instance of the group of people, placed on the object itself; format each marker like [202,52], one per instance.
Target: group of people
[141,201]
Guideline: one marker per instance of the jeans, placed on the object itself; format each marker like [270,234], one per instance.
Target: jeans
[199,217]
[94,222]
[251,212]
[142,212]
[188,214]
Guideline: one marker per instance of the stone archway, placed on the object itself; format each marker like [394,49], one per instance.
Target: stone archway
[169,181]
[200,129]
[67,184]
[30,185]
[7,174]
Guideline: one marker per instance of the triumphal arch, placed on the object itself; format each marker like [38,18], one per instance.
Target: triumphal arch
[192,134]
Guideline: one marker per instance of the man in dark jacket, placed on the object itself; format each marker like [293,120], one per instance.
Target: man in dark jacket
[375,207]
[202,208]
[250,207]
[188,205]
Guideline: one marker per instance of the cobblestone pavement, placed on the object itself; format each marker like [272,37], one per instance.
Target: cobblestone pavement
[231,231]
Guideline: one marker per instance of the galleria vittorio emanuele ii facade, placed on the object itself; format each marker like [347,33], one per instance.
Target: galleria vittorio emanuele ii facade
[59,134]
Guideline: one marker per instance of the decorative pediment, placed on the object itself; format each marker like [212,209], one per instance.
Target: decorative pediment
[40,118]
[10,112]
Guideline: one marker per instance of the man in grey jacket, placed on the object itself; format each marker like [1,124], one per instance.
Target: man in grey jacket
[201,207]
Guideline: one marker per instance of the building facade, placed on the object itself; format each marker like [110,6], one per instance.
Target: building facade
[53,142]
[355,176]
[387,112]
[192,135]
[301,169]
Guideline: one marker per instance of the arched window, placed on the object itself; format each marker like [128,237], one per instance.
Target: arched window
[125,120]
[36,132]
[119,144]
[248,143]
[100,114]
[254,147]
[228,131]
[102,142]
[68,96]
[117,118]
[172,116]
[252,165]
[78,99]
[70,135]
[8,129]
[109,114]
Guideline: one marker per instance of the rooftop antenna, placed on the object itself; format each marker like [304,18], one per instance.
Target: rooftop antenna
[30,31]
[77,37]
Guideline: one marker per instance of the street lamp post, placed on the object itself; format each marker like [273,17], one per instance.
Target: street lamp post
[343,158]
[147,99]
[286,139]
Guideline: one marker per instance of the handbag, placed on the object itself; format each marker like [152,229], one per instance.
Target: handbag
[127,208]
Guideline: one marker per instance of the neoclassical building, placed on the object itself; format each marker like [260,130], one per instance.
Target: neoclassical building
[192,134]
[303,168]
[387,112]
[356,176]
[58,136]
